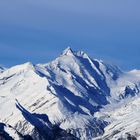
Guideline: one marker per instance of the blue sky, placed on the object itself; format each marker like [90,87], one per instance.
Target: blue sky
[38,30]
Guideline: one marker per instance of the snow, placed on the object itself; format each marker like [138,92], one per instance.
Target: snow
[124,119]
[87,97]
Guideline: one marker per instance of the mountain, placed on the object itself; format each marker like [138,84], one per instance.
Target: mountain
[73,97]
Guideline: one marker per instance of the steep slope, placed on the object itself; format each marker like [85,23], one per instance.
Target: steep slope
[123,115]
[7,132]
[63,96]
[123,118]
[22,84]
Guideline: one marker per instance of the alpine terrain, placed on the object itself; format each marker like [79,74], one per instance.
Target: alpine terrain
[73,97]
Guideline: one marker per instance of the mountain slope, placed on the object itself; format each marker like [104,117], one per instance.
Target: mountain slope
[69,92]
[123,120]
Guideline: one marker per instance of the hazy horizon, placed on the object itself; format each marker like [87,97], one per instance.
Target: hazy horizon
[38,31]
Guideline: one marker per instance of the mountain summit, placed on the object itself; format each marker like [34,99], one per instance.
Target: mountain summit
[73,97]
[68,51]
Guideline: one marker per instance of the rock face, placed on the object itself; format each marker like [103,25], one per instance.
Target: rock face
[73,97]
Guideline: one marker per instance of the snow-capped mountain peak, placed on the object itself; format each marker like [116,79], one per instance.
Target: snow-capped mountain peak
[68,51]
[73,96]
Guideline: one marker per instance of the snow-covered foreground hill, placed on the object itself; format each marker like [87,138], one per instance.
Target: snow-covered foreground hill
[73,97]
